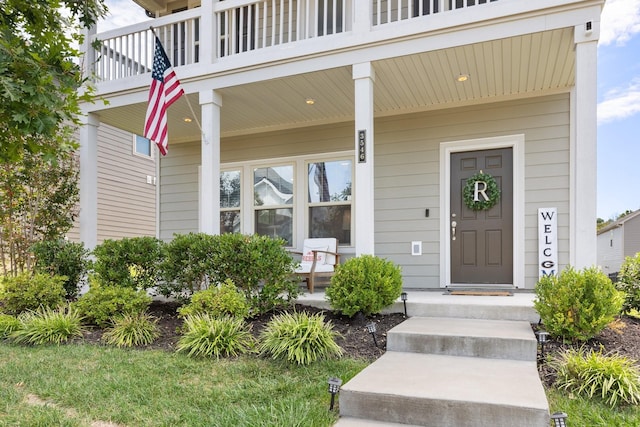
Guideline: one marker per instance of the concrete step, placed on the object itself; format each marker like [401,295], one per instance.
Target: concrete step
[498,339]
[444,391]
[519,306]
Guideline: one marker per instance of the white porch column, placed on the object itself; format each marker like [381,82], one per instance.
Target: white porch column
[88,216]
[364,76]
[209,215]
[583,148]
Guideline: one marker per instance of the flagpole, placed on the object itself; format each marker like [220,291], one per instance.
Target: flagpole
[186,97]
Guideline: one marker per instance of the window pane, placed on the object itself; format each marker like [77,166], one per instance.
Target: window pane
[275,223]
[230,222]
[143,145]
[230,189]
[329,181]
[331,221]
[273,186]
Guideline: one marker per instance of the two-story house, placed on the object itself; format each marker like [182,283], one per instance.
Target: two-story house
[364,120]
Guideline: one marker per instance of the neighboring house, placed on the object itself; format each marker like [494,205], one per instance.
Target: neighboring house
[126,190]
[617,241]
[374,114]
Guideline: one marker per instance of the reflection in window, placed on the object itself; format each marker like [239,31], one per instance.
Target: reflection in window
[329,192]
[230,202]
[142,146]
[273,198]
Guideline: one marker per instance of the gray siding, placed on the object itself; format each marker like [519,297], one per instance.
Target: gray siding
[632,236]
[126,203]
[407,174]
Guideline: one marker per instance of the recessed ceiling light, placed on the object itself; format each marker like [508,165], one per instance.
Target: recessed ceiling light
[310,101]
[187,119]
[462,78]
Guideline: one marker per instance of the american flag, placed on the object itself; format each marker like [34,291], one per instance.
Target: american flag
[165,90]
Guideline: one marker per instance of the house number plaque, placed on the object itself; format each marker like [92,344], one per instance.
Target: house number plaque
[362,146]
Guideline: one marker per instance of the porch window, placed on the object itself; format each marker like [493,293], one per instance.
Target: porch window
[230,190]
[273,201]
[329,200]
[141,146]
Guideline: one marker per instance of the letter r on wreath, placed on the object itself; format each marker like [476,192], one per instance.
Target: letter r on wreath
[477,191]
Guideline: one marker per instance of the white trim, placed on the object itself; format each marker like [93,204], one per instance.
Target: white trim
[516,142]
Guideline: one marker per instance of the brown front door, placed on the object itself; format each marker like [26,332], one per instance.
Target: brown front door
[482,241]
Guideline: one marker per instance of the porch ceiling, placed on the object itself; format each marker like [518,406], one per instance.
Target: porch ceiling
[498,69]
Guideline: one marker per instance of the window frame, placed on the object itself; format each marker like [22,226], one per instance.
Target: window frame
[134,147]
[300,192]
[240,170]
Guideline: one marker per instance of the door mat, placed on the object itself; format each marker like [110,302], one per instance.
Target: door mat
[482,293]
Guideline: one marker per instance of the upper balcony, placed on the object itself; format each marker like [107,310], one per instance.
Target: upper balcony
[242,47]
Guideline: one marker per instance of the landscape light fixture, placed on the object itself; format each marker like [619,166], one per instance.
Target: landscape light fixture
[559,419]
[542,337]
[334,388]
[371,327]
[403,297]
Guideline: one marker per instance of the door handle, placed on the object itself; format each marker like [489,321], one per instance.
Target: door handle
[453,230]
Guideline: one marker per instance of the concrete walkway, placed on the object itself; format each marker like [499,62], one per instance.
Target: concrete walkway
[458,361]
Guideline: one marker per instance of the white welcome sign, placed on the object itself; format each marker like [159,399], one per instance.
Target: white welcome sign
[547,241]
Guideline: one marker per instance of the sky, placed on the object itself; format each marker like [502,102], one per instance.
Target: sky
[618,169]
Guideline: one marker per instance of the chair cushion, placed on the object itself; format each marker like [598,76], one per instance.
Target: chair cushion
[307,254]
[320,268]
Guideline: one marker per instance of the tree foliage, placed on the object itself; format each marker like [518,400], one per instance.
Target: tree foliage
[39,73]
[38,201]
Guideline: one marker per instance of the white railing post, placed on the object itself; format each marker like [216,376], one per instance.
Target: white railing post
[362,12]
[208,33]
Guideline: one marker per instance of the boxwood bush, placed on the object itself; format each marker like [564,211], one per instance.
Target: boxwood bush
[217,301]
[103,303]
[364,284]
[129,262]
[29,292]
[629,282]
[62,258]
[577,305]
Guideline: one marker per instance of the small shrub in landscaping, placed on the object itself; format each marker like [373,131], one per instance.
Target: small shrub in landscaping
[132,330]
[299,338]
[62,258]
[28,292]
[48,326]
[224,300]
[8,324]
[613,378]
[364,284]
[260,267]
[129,262]
[102,303]
[629,283]
[577,305]
[186,264]
[207,336]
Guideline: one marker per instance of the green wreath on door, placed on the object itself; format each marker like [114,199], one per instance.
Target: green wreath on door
[481,192]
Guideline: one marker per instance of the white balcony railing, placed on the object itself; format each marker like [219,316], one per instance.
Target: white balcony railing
[242,26]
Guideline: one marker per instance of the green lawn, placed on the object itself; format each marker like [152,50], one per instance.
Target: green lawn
[87,383]
[153,388]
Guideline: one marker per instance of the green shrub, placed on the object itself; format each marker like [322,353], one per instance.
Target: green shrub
[260,267]
[62,258]
[629,283]
[186,264]
[364,284]
[207,336]
[613,378]
[299,338]
[102,303]
[129,262]
[48,326]
[132,330]
[577,305]
[28,292]
[8,324]
[224,300]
